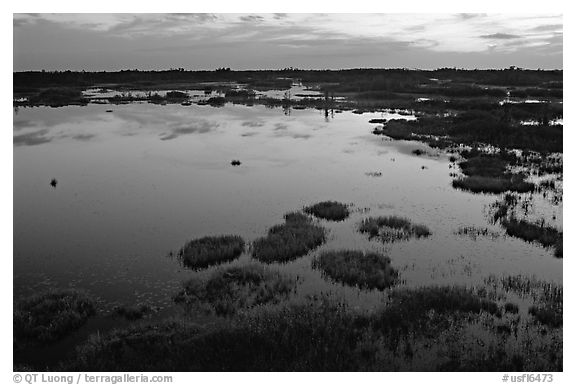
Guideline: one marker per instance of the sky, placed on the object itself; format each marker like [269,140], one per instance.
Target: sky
[109,42]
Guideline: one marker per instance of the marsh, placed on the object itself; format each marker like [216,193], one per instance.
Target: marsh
[154,175]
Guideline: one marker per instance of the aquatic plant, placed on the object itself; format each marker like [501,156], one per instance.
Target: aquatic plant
[239,287]
[211,250]
[356,268]
[419,329]
[475,232]
[547,315]
[391,228]
[486,184]
[408,307]
[47,317]
[330,210]
[484,166]
[288,241]
[547,236]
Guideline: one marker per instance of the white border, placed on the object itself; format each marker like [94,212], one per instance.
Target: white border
[437,6]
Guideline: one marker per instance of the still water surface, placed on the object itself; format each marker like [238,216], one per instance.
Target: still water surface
[138,182]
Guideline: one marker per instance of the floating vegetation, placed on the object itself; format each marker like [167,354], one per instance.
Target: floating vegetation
[539,232]
[392,228]
[330,210]
[228,290]
[47,317]
[356,268]
[212,250]
[475,232]
[288,241]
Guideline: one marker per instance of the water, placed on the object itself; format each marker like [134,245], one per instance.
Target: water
[138,182]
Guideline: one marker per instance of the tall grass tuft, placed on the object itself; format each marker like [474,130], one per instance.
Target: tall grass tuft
[288,241]
[355,268]
[330,210]
[391,228]
[208,251]
[45,318]
[547,236]
[228,290]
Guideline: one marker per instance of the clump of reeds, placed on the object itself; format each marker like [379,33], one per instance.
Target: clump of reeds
[207,251]
[228,290]
[330,210]
[290,240]
[391,228]
[356,268]
[47,317]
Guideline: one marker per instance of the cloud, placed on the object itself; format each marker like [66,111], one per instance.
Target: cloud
[500,36]
[259,41]
[32,139]
[184,129]
[252,19]
[548,27]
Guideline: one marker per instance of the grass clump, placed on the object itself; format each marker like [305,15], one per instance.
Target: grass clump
[208,251]
[228,290]
[288,241]
[308,337]
[330,210]
[355,268]
[488,174]
[392,228]
[547,315]
[47,317]
[424,329]
[484,166]
[534,232]
[409,308]
[493,185]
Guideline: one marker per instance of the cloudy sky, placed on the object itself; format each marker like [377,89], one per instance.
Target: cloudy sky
[270,41]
